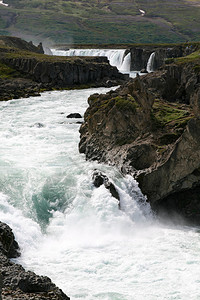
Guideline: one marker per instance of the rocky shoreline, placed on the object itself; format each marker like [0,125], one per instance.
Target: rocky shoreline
[15,282]
[25,71]
[150,128]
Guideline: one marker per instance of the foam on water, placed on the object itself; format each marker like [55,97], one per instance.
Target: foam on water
[75,233]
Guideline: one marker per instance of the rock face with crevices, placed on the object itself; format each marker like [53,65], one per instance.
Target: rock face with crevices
[25,71]
[141,54]
[150,128]
[65,73]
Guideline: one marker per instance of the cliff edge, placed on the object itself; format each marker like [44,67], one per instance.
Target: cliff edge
[150,128]
[25,71]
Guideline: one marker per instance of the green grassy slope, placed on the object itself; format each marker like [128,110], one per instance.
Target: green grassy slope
[102,21]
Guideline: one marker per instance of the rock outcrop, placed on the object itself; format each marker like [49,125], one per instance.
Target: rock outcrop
[18,88]
[8,245]
[67,72]
[24,71]
[101,179]
[175,184]
[74,115]
[150,128]
[15,42]
[15,282]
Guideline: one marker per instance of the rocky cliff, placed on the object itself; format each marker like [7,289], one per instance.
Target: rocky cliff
[60,72]
[24,71]
[140,54]
[150,128]
[15,42]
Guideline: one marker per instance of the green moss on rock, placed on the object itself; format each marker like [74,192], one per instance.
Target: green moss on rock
[126,104]
[163,113]
[7,72]
[193,57]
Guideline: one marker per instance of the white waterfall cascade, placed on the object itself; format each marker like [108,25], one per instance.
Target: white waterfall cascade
[150,62]
[2,3]
[126,64]
[116,57]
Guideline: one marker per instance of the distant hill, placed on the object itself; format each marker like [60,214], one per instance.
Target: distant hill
[102,21]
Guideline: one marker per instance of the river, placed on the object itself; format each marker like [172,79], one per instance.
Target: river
[73,232]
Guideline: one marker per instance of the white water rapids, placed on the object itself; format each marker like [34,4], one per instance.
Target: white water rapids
[75,233]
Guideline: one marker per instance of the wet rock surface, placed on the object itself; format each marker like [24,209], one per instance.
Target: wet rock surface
[15,282]
[150,128]
[101,179]
[8,245]
[18,88]
[74,115]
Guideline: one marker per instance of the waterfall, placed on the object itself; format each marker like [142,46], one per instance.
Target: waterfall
[2,3]
[116,57]
[126,64]
[150,62]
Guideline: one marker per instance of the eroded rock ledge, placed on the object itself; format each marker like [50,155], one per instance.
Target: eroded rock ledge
[150,128]
[25,72]
[15,282]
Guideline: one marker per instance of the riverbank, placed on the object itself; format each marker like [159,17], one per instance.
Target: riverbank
[15,282]
[25,71]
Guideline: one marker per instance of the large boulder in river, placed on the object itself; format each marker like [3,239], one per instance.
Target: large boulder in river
[74,115]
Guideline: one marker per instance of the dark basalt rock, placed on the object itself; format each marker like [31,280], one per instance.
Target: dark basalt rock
[67,73]
[28,282]
[74,115]
[33,72]
[140,54]
[15,282]
[101,179]
[185,203]
[150,128]
[17,88]
[1,285]
[8,245]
